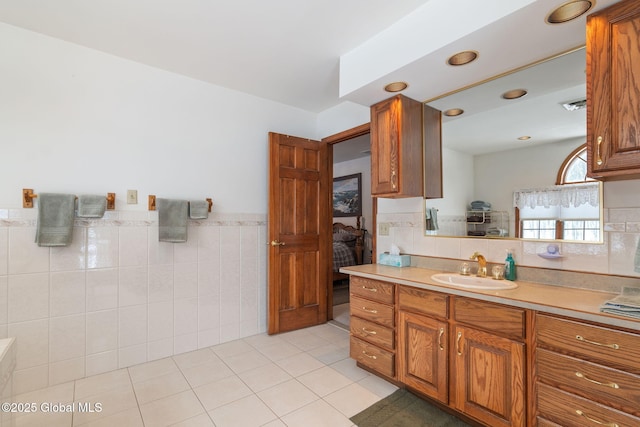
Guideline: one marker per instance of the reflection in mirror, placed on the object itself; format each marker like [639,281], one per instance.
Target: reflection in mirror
[500,146]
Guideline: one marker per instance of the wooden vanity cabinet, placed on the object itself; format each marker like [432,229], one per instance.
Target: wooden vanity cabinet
[586,374]
[488,364]
[613,92]
[396,148]
[372,325]
[423,337]
[466,353]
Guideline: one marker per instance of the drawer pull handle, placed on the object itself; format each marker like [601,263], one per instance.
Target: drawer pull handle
[583,339]
[366,331]
[584,377]
[440,338]
[370,356]
[458,344]
[593,420]
[370,310]
[369,289]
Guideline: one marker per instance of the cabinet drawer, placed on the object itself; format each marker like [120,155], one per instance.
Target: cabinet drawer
[373,333]
[372,311]
[373,357]
[422,301]
[372,289]
[596,343]
[572,411]
[612,387]
[507,321]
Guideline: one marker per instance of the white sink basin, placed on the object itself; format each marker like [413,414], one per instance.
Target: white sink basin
[473,282]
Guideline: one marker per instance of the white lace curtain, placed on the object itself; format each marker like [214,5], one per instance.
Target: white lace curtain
[565,196]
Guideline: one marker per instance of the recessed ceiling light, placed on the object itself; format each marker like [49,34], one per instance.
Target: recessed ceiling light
[569,11]
[454,112]
[462,58]
[514,94]
[524,138]
[396,87]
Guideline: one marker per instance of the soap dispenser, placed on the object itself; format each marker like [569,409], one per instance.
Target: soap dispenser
[510,267]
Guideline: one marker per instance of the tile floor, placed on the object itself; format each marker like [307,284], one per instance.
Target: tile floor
[301,378]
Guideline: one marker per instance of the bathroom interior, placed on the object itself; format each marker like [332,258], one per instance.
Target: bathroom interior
[80,119]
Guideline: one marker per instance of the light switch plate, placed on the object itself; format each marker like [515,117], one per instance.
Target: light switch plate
[132,197]
[383,228]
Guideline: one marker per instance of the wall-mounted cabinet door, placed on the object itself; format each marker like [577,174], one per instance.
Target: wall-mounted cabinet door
[396,148]
[613,92]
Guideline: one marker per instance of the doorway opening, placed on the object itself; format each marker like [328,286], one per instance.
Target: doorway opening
[350,159]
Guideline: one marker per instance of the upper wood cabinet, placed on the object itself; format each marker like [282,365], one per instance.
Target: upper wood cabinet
[397,147]
[613,92]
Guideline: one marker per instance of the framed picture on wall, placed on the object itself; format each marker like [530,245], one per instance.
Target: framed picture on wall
[347,195]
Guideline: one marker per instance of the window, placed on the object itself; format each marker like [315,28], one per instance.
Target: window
[569,210]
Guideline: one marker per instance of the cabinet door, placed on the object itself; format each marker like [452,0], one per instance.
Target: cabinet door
[423,354]
[396,148]
[488,379]
[613,92]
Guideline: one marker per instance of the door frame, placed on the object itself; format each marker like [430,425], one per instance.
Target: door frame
[346,135]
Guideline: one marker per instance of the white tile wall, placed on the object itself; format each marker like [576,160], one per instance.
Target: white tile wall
[117,297]
[614,256]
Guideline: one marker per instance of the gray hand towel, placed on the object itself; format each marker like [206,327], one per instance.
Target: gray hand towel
[172,220]
[55,219]
[625,304]
[198,209]
[91,206]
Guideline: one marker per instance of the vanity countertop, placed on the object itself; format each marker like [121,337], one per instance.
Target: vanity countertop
[574,302]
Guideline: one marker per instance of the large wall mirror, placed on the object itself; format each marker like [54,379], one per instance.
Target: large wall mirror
[500,146]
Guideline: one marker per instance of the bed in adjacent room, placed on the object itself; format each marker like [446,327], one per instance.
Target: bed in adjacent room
[348,248]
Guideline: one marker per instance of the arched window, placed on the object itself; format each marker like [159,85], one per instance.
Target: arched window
[574,167]
[568,211]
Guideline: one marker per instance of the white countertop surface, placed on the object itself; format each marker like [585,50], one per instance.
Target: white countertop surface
[574,302]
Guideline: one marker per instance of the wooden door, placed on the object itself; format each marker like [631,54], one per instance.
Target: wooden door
[488,377]
[423,354]
[298,234]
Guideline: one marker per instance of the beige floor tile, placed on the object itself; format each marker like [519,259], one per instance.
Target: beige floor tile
[264,377]
[249,411]
[246,361]
[349,369]
[300,364]
[232,348]
[222,392]
[305,340]
[153,369]
[112,402]
[378,386]
[317,414]
[195,358]
[352,399]
[287,397]
[101,383]
[324,381]
[128,418]
[202,420]
[279,350]
[171,410]
[207,372]
[39,419]
[62,393]
[159,387]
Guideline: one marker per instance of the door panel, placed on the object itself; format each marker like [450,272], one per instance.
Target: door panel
[299,235]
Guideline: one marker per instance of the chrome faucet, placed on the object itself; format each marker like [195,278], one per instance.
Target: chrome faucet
[482,264]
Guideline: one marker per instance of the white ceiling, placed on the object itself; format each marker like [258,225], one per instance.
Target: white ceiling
[290,50]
